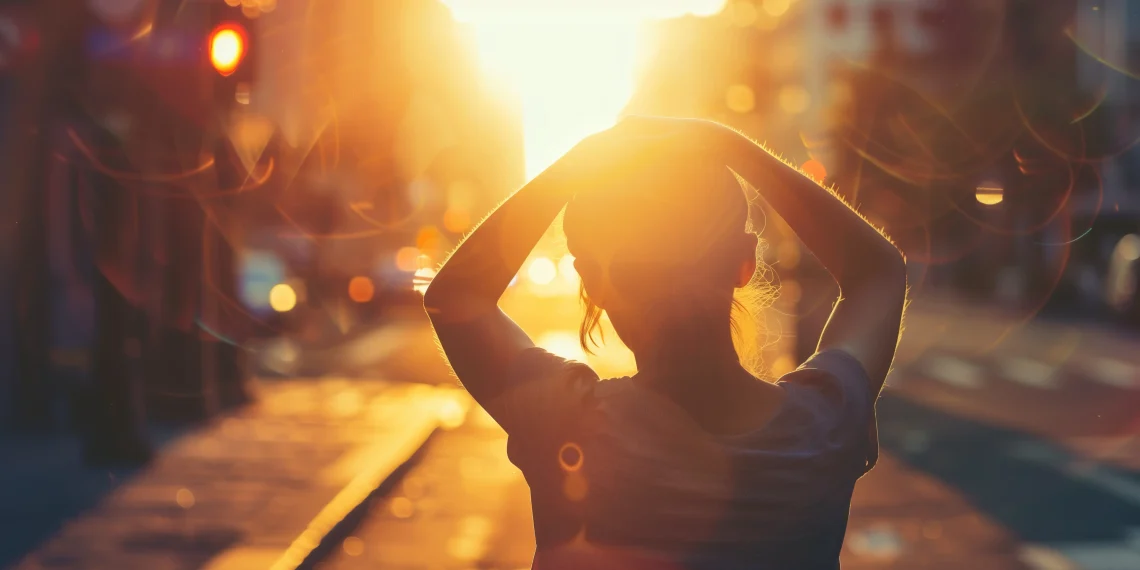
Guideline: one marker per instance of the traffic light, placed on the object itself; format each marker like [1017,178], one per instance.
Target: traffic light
[228,44]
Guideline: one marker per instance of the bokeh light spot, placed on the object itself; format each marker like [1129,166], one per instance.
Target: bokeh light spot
[815,169]
[740,98]
[456,220]
[989,193]
[788,254]
[361,289]
[783,365]
[406,258]
[541,271]
[402,507]
[566,269]
[282,298]
[570,456]
[794,99]
[776,8]
[429,238]
[575,487]
[451,414]
[184,498]
[227,48]
[743,13]
[352,546]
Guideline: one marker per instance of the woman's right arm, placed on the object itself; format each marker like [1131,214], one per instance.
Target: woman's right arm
[869,269]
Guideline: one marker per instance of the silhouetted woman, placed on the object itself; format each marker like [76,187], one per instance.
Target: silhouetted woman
[692,462]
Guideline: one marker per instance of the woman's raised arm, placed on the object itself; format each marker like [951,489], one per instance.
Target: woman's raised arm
[869,269]
[479,340]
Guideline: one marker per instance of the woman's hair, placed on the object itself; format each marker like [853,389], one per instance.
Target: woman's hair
[672,224]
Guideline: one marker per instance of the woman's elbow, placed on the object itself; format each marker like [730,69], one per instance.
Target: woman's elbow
[893,266]
[435,302]
[882,277]
[444,305]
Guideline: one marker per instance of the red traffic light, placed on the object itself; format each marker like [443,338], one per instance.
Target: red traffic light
[227,47]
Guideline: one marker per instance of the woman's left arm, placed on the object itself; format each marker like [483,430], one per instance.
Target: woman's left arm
[479,340]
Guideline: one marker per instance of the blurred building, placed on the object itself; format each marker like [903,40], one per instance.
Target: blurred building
[352,132]
[382,117]
[1108,38]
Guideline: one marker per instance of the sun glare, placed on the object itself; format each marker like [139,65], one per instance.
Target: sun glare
[572,63]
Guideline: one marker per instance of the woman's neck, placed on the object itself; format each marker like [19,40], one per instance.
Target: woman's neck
[680,351]
[696,367]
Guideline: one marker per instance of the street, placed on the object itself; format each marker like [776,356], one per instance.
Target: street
[1005,445]
[998,452]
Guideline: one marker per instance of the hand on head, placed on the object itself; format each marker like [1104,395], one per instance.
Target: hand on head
[637,141]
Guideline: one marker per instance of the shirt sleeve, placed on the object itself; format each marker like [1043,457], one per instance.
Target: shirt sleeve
[545,397]
[843,390]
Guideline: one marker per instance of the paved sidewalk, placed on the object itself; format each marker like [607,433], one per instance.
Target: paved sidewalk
[258,488]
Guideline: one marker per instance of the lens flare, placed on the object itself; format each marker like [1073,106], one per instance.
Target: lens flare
[541,271]
[227,48]
[989,193]
[361,289]
[282,298]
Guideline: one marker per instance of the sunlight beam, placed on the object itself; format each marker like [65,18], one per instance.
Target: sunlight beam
[572,63]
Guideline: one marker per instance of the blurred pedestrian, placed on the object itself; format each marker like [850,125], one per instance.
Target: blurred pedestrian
[692,462]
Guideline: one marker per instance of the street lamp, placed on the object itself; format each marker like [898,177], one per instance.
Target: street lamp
[228,45]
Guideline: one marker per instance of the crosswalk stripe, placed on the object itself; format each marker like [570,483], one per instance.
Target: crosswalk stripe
[1113,372]
[1030,372]
[954,371]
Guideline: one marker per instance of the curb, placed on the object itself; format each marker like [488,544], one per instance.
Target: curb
[385,466]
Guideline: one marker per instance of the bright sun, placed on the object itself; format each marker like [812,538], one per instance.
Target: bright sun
[572,62]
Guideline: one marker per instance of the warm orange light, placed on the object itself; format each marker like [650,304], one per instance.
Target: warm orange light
[406,258]
[429,238]
[776,8]
[361,289]
[542,271]
[815,170]
[456,220]
[740,98]
[422,278]
[227,47]
[572,65]
[794,99]
[282,298]
[989,193]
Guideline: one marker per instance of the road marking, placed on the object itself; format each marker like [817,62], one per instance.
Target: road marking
[1113,372]
[1040,557]
[954,371]
[1118,555]
[880,542]
[1030,372]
